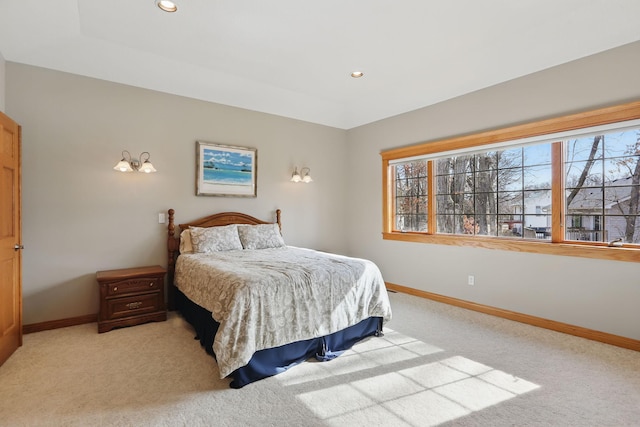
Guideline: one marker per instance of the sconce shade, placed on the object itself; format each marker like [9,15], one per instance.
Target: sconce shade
[147,167]
[127,164]
[123,166]
[295,177]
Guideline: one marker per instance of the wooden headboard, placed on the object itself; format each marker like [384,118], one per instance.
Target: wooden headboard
[215,220]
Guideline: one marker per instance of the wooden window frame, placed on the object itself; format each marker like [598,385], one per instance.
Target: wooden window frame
[557,245]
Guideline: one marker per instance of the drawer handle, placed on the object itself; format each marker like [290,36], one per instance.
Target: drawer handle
[115,289]
[134,305]
[151,284]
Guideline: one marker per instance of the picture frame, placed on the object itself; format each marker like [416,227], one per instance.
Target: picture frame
[226,170]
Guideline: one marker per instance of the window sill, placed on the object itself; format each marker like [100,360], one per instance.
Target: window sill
[625,253]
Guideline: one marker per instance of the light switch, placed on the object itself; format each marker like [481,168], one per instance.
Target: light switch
[161,218]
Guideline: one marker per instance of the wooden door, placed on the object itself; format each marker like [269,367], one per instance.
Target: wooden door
[10,239]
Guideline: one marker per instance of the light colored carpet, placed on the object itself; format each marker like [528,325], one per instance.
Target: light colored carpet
[436,365]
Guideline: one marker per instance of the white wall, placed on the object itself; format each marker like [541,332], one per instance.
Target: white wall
[80,216]
[2,82]
[596,294]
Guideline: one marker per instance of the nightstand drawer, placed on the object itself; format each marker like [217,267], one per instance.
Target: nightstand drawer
[133,306]
[128,286]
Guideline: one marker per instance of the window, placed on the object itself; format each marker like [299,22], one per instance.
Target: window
[570,184]
[602,184]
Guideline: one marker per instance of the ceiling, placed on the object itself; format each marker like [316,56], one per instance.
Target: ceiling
[293,58]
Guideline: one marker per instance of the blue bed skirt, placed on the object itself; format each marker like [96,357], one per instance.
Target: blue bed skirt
[272,361]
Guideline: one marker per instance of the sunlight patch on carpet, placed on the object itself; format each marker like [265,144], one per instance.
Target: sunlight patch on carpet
[427,394]
[370,353]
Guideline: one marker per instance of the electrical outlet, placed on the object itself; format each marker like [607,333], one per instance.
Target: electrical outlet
[471,281]
[161,218]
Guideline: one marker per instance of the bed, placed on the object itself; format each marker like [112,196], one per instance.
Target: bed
[260,306]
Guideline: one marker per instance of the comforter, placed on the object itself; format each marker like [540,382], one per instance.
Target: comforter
[270,297]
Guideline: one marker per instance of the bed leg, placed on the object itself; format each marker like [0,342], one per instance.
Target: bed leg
[320,355]
[379,332]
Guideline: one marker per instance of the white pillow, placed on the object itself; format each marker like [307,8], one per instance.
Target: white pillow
[260,236]
[215,239]
[185,242]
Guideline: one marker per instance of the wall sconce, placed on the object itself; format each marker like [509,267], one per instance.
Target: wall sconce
[295,177]
[127,164]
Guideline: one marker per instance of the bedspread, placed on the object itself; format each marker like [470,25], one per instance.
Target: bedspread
[270,297]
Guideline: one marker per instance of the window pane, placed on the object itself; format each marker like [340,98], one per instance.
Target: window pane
[446,224]
[509,179]
[589,172]
[540,233]
[617,200]
[617,144]
[486,225]
[537,177]
[413,169]
[581,149]
[485,203]
[585,228]
[444,184]
[444,166]
[467,202]
[510,202]
[444,204]
[584,201]
[404,205]
[411,222]
[487,161]
[510,158]
[537,155]
[537,202]
[462,182]
[486,181]
[404,188]
[625,227]
[510,225]
[619,170]
[468,223]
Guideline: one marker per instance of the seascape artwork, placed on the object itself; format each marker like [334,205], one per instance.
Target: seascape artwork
[227,167]
[226,170]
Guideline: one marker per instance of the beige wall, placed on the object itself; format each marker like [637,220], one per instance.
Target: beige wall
[2,82]
[601,295]
[80,216]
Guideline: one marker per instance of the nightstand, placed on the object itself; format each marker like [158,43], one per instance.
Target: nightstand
[131,296]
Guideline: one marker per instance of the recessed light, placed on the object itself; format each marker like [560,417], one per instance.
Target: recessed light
[357,74]
[167,5]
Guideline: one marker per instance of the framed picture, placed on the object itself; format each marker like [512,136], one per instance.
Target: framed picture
[225,170]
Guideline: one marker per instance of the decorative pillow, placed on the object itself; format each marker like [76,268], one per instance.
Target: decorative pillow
[260,236]
[185,242]
[215,239]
